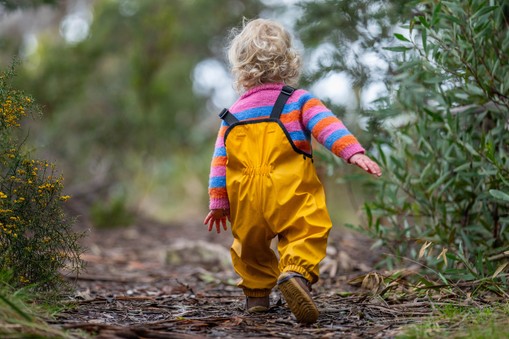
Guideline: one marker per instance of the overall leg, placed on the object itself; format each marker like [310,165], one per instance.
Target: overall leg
[302,245]
[253,259]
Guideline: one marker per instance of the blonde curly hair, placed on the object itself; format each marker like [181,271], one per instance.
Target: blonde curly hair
[262,53]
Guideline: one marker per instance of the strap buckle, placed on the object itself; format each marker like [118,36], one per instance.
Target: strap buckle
[227,117]
[223,113]
[287,90]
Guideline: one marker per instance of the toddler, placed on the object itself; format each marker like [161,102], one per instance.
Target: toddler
[262,177]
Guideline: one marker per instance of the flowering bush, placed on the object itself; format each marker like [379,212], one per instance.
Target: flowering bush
[36,237]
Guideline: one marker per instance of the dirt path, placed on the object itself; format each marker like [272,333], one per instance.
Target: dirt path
[159,281]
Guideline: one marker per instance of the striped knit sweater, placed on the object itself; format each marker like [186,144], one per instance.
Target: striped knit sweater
[303,115]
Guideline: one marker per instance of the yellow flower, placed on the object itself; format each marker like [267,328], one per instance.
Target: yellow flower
[3,195]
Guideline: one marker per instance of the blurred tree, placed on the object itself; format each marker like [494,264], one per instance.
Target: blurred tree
[130,80]
[120,101]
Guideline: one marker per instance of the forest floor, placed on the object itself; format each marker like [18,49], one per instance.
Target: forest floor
[176,281]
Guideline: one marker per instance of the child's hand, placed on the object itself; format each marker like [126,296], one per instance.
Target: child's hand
[364,162]
[217,217]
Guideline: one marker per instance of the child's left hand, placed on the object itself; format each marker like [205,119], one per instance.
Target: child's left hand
[217,217]
[364,162]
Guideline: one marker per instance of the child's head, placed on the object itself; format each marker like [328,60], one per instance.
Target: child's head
[262,53]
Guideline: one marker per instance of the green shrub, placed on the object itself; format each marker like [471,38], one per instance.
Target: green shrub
[444,197]
[36,237]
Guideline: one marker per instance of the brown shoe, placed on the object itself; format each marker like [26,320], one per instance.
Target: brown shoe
[294,288]
[257,304]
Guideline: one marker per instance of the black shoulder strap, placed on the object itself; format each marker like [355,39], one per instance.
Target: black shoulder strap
[229,118]
[286,91]
[281,100]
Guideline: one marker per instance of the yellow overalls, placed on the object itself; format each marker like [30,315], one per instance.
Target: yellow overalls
[273,191]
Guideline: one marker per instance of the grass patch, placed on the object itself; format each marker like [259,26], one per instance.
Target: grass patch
[24,314]
[453,321]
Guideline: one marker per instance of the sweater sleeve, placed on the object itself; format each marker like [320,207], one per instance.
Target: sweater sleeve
[217,178]
[327,129]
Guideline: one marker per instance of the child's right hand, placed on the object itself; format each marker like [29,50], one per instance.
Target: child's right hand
[217,217]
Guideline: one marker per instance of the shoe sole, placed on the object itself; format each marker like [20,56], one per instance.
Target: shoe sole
[299,301]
